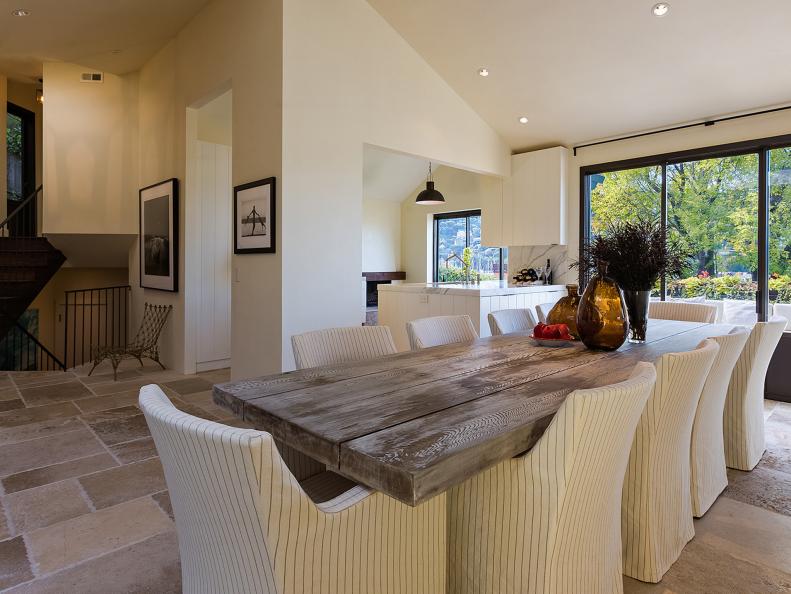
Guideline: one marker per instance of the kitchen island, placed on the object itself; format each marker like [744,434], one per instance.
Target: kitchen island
[399,304]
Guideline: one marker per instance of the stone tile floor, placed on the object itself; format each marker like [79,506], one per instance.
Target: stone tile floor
[85,506]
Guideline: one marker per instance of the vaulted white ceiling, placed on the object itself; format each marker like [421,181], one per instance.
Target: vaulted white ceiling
[116,36]
[582,70]
[391,176]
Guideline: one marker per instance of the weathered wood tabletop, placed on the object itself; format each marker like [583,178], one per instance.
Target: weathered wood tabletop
[414,424]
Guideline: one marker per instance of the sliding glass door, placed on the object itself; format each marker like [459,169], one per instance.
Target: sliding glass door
[731,204]
[780,225]
[712,205]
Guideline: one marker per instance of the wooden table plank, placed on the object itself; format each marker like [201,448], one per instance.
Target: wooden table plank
[418,459]
[415,423]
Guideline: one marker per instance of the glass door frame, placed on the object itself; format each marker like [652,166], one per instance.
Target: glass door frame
[761,147]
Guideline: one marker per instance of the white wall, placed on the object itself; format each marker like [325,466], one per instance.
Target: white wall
[381,236]
[90,152]
[230,44]
[734,131]
[463,190]
[350,79]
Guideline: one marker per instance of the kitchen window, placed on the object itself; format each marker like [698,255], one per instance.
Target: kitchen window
[454,231]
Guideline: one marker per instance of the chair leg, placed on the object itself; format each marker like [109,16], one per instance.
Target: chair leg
[116,363]
[95,363]
[160,363]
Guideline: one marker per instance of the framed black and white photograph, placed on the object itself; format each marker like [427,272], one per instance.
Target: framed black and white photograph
[159,236]
[254,217]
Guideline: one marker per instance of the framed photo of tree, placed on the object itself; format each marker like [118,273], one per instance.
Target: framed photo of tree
[159,236]
[254,217]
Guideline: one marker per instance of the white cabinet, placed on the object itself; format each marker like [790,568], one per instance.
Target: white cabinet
[532,208]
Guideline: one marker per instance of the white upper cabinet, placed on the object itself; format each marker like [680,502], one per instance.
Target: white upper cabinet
[532,208]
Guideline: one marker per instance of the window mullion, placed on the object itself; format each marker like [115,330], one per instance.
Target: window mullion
[762,297]
[663,222]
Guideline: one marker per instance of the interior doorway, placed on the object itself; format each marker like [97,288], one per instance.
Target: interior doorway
[208,237]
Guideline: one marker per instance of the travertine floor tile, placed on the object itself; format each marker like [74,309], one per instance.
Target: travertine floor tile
[748,532]
[163,499]
[46,451]
[47,377]
[36,508]
[9,393]
[24,416]
[762,487]
[189,385]
[11,404]
[706,569]
[111,414]
[130,481]
[14,564]
[123,429]
[51,393]
[46,428]
[100,378]
[97,403]
[57,472]
[148,567]
[133,451]
[63,544]
[5,529]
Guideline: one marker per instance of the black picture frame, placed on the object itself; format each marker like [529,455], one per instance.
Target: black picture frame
[252,242]
[166,195]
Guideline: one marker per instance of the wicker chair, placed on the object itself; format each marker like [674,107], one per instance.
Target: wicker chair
[144,343]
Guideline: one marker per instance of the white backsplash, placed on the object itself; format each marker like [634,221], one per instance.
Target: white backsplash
[532,256]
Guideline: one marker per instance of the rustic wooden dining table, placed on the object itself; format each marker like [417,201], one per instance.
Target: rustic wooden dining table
[414,424]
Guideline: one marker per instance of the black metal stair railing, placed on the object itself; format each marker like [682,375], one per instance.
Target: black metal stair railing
[94,318]
[21,351]
[23,220]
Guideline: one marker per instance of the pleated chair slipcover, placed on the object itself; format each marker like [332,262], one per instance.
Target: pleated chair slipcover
[682,311]
[439,330]
[743,422]
[543,309]
[656,512]
[245,524]
[507,321]
[341,345]
[548,521]
[707,455]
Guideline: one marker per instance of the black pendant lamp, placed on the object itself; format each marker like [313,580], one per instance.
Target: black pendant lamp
[430,195]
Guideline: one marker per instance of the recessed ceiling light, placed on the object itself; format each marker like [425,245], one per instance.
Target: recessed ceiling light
[484,72]
[523,120]
[660,9]
[20,12]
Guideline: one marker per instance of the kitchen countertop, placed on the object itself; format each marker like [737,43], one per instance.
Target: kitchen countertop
[484,289]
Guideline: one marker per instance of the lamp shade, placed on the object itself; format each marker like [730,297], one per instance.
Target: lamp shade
[430,195]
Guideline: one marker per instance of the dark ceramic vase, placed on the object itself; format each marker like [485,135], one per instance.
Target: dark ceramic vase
[637,306]
[602,319]
[565,310]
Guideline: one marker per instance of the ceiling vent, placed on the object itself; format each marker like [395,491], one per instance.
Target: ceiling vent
[92,77]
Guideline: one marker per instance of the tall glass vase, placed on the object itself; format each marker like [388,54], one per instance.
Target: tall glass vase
[602,319]
[637,306]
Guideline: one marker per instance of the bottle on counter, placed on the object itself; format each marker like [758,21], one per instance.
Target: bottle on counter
[548,274]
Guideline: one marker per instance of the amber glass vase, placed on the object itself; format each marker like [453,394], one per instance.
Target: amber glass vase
[565,310]
[602,321]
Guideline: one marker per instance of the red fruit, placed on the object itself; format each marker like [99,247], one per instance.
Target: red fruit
[539,330]
[552,332]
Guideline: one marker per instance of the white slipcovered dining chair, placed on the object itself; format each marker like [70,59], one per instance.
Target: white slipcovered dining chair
[439,330]
[656,512]
[682,311]
[543,309]
[507,321]
[246,525]
[341,345]
[707,452]
[548,521]
[743,422]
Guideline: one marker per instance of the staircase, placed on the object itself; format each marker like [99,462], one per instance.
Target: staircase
[27,263]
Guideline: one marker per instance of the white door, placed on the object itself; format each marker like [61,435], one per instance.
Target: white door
[214,323]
